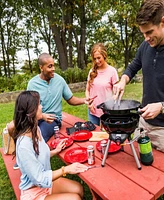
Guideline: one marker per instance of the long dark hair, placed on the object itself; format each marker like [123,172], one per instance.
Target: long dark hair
[26,107]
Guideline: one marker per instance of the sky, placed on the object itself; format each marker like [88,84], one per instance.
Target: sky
[22,55]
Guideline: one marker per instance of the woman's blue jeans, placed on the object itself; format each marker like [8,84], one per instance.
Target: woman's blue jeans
[94,119]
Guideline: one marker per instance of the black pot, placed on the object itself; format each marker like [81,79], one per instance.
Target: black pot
[120,123]
[125,106]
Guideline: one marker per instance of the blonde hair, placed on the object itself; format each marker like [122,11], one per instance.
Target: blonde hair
[102,50]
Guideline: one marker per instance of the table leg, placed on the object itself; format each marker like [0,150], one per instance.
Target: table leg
[95,195]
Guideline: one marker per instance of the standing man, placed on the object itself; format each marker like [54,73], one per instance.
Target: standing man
[149,58]
[52,88]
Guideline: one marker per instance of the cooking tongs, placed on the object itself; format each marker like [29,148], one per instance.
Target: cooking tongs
[117,102]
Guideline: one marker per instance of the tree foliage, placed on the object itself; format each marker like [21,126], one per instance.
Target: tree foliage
[69,28]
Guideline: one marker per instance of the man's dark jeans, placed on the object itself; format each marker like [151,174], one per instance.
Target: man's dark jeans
[47,129]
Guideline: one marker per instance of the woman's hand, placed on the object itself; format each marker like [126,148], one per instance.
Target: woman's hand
[61,145]
[92,108]
[75,168]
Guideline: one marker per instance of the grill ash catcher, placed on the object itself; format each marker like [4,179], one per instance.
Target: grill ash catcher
[120,121]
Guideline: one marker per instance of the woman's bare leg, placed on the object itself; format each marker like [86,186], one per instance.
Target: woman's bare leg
[66,189]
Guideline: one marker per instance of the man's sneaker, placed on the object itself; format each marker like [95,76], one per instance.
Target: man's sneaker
[15,166]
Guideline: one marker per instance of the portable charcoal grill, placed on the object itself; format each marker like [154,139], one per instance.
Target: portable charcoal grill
[120,122]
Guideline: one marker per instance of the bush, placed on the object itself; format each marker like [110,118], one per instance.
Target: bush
[19,82]
[73,75]
[15,83]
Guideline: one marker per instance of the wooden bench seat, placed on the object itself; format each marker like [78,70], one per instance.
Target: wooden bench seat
[14,175]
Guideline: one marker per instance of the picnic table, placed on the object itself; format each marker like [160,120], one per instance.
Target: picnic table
[118,179]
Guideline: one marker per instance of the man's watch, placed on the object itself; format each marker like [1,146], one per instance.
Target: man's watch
[162,110]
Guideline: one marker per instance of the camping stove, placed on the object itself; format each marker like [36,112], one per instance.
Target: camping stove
[120,127]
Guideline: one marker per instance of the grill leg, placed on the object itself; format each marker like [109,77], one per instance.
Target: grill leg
[135,156]
[106,153]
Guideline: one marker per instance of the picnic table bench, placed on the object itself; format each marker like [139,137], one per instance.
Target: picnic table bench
[118,179]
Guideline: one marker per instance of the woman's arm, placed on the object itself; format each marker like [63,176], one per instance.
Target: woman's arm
[70,169]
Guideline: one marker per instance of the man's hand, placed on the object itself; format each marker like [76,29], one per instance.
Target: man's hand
[49,118]
[118,88]
[150,111]
[88,101]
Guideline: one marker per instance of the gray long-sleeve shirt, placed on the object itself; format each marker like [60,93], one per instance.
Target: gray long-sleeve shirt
[151,61]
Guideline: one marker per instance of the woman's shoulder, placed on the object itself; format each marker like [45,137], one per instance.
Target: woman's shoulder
[111,68]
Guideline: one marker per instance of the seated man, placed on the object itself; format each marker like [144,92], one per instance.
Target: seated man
[52,88]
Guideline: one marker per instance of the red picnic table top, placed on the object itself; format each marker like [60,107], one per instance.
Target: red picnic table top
[118,179]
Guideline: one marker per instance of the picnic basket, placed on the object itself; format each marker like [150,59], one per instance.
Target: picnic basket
[7,142]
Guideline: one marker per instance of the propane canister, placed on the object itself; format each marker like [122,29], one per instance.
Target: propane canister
[145,149]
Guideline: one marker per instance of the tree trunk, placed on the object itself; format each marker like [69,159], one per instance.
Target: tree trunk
[70,36]
[3,50]
[81,50]
[63,62]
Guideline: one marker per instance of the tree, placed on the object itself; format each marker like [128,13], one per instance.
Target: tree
[69,28]
[120,32]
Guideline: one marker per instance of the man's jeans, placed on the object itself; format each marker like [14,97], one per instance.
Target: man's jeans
[47,129]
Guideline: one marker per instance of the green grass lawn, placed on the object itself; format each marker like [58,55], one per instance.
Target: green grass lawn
[133,91]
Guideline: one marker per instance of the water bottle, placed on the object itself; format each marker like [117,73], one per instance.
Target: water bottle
[145,149]
[56,132]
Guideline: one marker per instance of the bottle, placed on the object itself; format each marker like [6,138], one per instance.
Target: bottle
[145,149]
[56,132]
[91,155]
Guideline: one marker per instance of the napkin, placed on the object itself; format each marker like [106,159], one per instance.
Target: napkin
[98,136]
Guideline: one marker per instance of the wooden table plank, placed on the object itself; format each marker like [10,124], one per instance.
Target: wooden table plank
[109,174]
[150,178]
[157,156]
[110,184]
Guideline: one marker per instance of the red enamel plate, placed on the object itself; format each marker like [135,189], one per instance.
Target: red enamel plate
[82,135]
[55,142]
[113,147]
[77,154]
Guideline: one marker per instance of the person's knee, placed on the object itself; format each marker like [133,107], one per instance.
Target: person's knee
[79,189]
[76,197]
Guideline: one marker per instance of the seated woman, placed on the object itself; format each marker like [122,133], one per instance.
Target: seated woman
[38,181]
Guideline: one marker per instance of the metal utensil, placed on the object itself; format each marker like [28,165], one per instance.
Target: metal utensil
[94,166]
[131,141]
[92,98]
[117,102]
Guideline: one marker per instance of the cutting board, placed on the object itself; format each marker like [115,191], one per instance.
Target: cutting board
[98,136]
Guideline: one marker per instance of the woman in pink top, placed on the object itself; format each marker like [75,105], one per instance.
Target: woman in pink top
[101,79]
